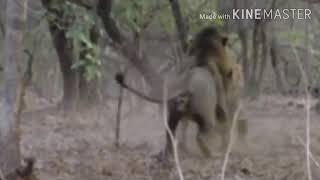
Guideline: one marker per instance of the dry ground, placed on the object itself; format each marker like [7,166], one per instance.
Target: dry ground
[80,146]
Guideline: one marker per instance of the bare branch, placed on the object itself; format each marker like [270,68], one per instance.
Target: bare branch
[300,48]
[180,25]
[25,81]
[13,45]
[103,10]
[118,120]
[311,155]
[127,48]
[231,139]
[2,175]
[1,28]
[197,9]
[311,1]
[307,107]
[173,140]
[317,14]
[83,3]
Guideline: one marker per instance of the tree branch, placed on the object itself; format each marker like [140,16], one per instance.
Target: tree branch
[104,11]
[1,28]
[127,48]
[180,25]
[83,4]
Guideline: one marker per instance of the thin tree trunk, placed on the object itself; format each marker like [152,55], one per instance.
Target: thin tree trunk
[65,56]
[243,36]
[64,51]
[244,54]
[308,59]
[1,28]
[118,123]
[9,126]
[2,22]
[275,66]
[255,51]
[264,59]
[180,24]
[25,81]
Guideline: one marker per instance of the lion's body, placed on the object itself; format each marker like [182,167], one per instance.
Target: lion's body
[225,93]
[213,91]
[202,107]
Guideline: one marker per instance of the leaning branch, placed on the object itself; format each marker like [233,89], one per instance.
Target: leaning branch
[307,107]
[104,10]
[25,81]
[231,141]
[315,161]
[180,25]
[172,138]
[127,48]
[82,3]
[1,28]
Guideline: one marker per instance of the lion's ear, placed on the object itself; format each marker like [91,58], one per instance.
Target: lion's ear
[119,77]
[192,50]
[229,74]
[224,40]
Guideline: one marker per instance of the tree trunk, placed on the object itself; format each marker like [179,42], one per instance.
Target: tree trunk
[255,50]
[259,55]
[275,66]
[9,126]
[88,91]
[64,51]
[2,28]
[65,56]
[308,59]
[25,82]
[244,54]
[180,24]
[264,59]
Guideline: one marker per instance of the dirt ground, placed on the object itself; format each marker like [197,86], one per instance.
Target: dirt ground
[80,146]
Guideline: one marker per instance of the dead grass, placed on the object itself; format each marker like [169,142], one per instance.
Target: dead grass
[81,146]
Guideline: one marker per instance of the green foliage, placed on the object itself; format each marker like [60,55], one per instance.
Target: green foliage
[134,14]
[166,20]
[88,59]
[293,75]
[294,37]
[192,10]
[77,23]
[315,74]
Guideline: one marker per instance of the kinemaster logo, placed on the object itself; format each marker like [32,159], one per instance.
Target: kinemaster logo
[251,14]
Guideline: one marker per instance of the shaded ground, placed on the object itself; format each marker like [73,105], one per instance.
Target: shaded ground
[80,147]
